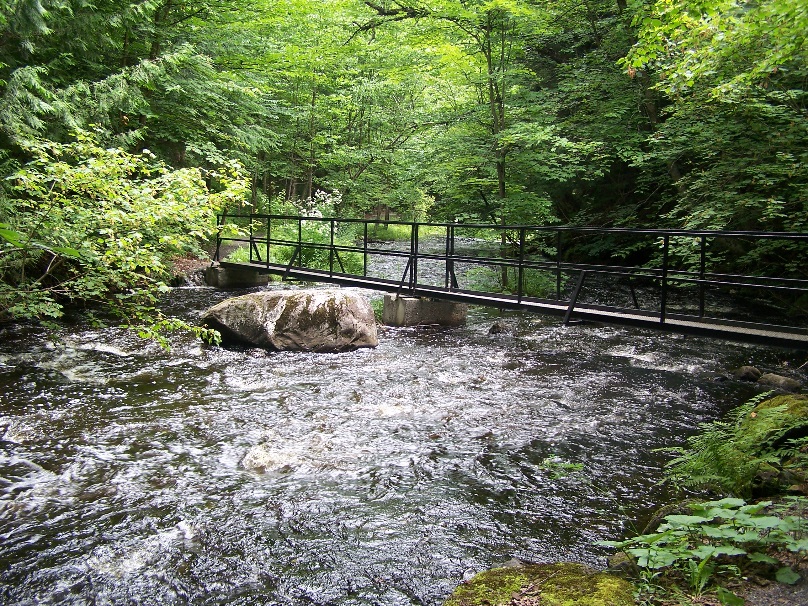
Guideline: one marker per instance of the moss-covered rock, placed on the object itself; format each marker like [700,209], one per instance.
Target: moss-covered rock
[768,427]
[780,382]
[776,420]
[562,584]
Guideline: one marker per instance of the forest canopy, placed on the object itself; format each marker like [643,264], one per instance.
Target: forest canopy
[589,112]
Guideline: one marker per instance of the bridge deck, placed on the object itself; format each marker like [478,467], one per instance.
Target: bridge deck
[710,327]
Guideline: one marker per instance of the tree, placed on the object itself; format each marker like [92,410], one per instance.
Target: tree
[734,74]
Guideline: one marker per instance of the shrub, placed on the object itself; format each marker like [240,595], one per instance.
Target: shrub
[99,226]
[718,538]
[766,434]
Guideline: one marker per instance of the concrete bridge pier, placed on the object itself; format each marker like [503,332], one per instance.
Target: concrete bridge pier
[234,277]
[414,311]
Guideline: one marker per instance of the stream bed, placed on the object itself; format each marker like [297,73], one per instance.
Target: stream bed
[392,474]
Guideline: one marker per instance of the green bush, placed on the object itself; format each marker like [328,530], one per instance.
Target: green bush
[719,538]
[317,255]
[535,283]
[239,255]
[84,223]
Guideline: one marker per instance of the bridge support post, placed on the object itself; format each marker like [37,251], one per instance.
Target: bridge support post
[232,277]
[412,311]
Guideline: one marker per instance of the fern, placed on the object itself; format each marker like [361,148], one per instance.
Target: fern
[727,456]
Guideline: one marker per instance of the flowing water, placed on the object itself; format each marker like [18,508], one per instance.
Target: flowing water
[390,474]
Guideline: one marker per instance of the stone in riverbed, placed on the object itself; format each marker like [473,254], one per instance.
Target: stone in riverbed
[747,373]
[563,584]
[780,382]
[318,320]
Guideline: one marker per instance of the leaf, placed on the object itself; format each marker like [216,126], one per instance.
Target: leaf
[801,545]
[729,550]
[762,558]
[727,598]
[728,503]
[765,522]
[653,558]
[787,576]
[685,520]
[67,251]
[10,236]
[721,532]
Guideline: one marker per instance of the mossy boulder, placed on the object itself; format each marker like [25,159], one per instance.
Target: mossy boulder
[776,420]
[769,426]
[563,584]
[319,320]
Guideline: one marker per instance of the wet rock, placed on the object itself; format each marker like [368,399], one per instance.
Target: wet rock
[747,373]
[540,584]
[499,328]
[318,320]
[780,382]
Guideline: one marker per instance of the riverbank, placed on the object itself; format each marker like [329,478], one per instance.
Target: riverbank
[749,547]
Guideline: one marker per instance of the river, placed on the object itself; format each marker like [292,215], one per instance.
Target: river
[394,474]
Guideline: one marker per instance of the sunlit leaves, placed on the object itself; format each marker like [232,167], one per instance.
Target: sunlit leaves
[725,44]
[87,222]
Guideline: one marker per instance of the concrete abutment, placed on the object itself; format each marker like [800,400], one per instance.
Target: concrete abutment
[414,311]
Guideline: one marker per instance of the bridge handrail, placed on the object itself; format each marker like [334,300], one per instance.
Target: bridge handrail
[786,235]
[516,254]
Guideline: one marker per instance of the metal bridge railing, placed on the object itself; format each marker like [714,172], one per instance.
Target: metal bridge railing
[680,264]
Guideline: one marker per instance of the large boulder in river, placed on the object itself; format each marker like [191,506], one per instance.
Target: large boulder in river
[320,320]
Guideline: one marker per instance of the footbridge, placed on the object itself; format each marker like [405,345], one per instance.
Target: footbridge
[669,280]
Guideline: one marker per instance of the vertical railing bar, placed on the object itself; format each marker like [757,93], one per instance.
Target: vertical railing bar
[558,265]
[702,267]
[633,293]
[269,232]
[219,226]
[453,276]
[252,243]
[300,241]
[414,268]
[664,295]
[365,251]
[446,258]
[521,265]
[331,252]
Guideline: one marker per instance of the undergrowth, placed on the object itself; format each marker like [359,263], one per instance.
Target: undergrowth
[707,552]
[756,444]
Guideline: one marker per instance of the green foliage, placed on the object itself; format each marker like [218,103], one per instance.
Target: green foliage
[389,232]
[378,309]
[239,255]
[688,114]
[718,538]
[96,225]
[733,134]
[315,251]
[727,456]
[556,468]
[158,326]
[535,283]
